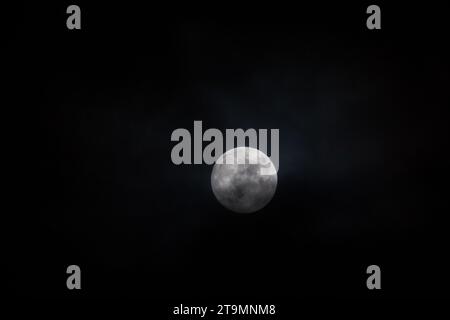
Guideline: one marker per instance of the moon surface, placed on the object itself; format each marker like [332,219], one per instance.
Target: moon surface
[244,179]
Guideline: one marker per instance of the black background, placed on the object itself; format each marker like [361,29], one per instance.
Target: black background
[363,160]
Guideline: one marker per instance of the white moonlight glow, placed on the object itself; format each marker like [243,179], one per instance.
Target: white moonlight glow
[244,179]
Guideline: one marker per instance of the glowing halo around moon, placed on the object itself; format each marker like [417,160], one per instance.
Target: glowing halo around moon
[244,179]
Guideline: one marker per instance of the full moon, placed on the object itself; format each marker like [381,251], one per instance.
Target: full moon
[244,179]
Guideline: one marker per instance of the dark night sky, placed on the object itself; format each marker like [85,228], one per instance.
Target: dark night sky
[363,151]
